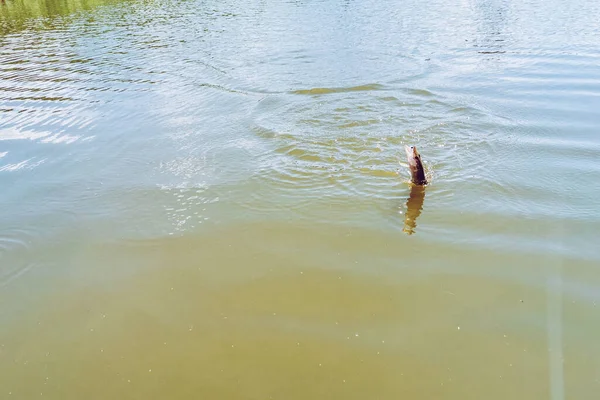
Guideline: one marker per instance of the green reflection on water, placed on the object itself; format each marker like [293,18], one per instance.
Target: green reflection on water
[17,15]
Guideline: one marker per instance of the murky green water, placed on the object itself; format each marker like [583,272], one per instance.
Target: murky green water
[208,199]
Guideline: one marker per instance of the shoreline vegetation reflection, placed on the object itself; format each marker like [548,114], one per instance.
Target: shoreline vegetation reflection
[18,15]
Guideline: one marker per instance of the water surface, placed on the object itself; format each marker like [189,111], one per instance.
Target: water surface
[210,199]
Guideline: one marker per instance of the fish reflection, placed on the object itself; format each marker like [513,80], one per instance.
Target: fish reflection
[414,205]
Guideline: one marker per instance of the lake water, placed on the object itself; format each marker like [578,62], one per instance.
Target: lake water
[210,199]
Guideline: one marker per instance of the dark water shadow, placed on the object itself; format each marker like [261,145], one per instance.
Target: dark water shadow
[414,206]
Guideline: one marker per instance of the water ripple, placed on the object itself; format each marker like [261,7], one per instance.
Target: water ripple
[354,142]
[15,245]
[228,104]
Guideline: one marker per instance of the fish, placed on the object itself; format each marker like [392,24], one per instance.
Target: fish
[417,172]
